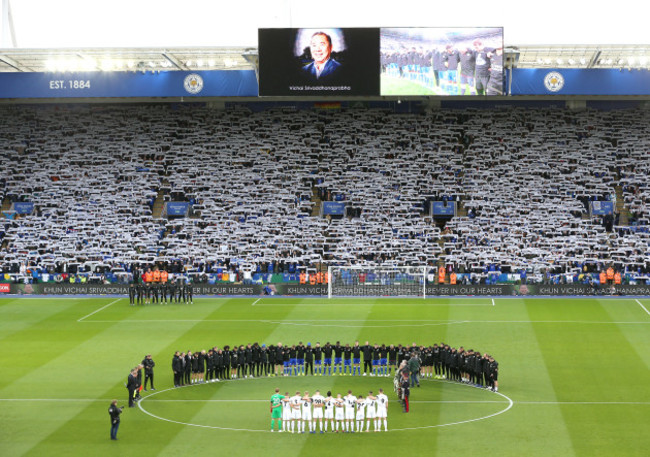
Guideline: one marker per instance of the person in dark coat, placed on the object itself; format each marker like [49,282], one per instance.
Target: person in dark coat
[114,411]
[148,365]
[131,385]
[406,392]
[177,368]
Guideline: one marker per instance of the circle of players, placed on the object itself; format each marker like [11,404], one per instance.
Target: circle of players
[154,293]
[253,360]
[345,413]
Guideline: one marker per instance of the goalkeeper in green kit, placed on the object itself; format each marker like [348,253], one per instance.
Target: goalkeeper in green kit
[276,409]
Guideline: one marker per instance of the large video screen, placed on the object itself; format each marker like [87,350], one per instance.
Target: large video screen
[325,61]
[442,61]
[386,61]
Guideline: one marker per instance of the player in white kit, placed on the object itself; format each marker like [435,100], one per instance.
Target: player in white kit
[382,410]
[371,411]
[306,413]
[318,402]
[329,410]
[350,405]
[361,412]
[286,413]
[295,401]
[339,414]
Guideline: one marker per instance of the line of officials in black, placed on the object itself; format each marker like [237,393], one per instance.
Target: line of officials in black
[255,360]
[159,292]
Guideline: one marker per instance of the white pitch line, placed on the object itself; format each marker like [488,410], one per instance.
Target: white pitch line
[644,308]
[256,301]
[98,310]
[493,302]
[370,304]
[576,403]
[506,398]
[316,322]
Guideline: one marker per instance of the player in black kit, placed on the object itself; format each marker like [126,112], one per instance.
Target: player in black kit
[327,358]
[392,359]
[318,359]
[347,359]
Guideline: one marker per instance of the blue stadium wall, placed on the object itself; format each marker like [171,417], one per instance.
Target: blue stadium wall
[243,83]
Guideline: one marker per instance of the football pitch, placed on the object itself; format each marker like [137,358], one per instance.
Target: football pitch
[573,376]
[397,86]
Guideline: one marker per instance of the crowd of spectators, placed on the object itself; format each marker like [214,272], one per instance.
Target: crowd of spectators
[525,177]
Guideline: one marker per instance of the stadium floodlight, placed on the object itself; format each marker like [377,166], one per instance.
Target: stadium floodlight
[630,60]
[643,60]
[547,61]
[152,64]
[560,61]
[130,64]
[211,63]
[199,63]
[51,65]
[380,281]
[583,61]
[572,62]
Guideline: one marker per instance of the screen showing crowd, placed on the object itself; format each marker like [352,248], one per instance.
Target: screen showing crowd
[387,61]
[441,61]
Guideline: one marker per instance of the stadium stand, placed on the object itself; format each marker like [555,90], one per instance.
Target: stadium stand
[254,181]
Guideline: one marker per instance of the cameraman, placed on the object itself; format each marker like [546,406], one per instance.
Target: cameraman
[114,412]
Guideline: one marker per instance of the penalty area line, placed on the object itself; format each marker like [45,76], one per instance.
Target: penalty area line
[255,302]
[98,310]
[644,308]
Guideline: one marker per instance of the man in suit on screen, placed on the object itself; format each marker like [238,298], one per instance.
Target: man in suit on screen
[324,67]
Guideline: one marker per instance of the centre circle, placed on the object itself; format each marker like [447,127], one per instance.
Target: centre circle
[239,404]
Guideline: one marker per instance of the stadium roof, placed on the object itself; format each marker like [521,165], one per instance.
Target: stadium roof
[241,58]
[162,35]
[126,59]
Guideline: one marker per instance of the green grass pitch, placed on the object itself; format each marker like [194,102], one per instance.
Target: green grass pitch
[397,86]
[575,370]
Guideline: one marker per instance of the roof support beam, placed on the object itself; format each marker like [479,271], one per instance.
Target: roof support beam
[177,63]
[8,38]
[594,59]
[11,62]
